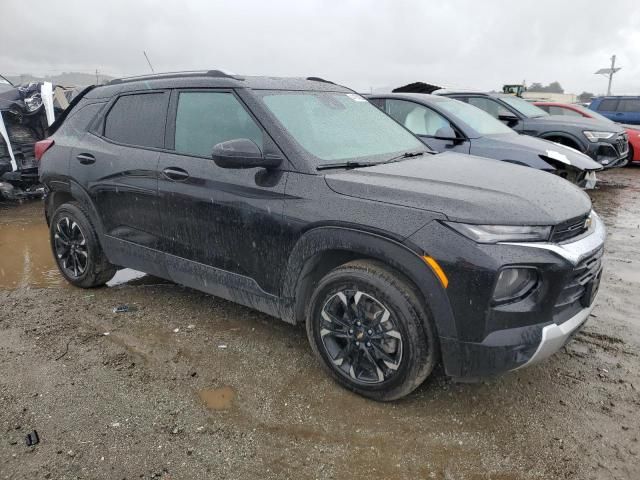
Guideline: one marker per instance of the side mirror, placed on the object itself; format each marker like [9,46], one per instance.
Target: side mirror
[508,118]
[242,153]
[446,133]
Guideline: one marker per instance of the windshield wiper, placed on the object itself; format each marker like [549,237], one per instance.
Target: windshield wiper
[398,158]
[349,164]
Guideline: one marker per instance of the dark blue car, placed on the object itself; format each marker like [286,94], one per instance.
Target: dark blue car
[619,109]
[445,124]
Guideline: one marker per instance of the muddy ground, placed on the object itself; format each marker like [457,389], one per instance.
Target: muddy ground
[188,386]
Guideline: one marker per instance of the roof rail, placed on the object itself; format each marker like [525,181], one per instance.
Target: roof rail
[191,73]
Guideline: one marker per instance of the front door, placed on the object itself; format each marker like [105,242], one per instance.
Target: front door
[219,225]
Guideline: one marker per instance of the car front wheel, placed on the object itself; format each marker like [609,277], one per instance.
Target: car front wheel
[370,331]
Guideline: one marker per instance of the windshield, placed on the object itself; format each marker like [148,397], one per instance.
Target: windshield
[592,114]
[478,119]
[525,108]
[339,126]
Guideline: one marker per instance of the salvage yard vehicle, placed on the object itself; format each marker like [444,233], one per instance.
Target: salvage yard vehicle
[623,109]
[607,144]
[571,109]
[446,124]
[301,199]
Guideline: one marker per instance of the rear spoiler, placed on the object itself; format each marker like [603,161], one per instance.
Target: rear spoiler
[65,113]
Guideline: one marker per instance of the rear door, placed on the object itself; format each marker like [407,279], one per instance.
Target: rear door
[219,225]
[117,166]
[609,108]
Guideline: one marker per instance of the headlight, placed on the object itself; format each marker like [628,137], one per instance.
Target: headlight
[33,102]
[501,233]
[595,136]
[514,283]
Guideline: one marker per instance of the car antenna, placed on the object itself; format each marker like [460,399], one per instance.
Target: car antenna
[149,62]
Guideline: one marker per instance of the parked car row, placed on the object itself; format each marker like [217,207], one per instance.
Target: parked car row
[303,200]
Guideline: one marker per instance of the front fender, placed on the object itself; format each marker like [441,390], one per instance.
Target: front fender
[312,244]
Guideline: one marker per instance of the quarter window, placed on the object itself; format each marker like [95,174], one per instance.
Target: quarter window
[138,119]
[630,105]
[204,119]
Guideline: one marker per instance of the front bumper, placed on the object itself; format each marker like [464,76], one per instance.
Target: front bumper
[610,154]
[493,339]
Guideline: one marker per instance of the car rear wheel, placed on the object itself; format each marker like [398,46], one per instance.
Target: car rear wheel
[76,249]
[369,330]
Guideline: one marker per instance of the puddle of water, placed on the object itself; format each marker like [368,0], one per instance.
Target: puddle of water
[25,253]
[218,398]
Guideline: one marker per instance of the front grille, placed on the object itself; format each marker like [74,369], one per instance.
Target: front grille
[569,229]
[622,144]
[586,271]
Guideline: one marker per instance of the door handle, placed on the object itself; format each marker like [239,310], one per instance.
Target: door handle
[175,173]
[86,158]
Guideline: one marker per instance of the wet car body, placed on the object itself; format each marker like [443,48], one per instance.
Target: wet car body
[570,131]
[264,237]
[505,145]
[633,131]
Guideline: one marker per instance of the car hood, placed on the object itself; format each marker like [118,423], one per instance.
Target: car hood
[467,189]
[578,122]
[532,150]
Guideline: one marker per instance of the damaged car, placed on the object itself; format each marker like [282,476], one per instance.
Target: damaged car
[299,198]
[26,111]
[445,124]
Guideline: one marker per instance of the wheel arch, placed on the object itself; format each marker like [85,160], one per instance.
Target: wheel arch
[322,249]
[550,136]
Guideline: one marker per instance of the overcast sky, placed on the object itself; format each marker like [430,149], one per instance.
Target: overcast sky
[362,44]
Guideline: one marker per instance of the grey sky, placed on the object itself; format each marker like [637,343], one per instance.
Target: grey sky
[362,44]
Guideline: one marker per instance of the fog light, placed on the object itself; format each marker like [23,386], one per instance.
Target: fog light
[514,283]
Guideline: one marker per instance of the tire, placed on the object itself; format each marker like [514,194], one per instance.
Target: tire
[394,347]
[76,249]
[630,157]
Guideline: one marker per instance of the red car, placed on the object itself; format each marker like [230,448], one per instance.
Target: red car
[567,109]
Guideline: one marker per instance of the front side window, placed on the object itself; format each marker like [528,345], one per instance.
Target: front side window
[527,109]
[338,126]
[476,118]
[138,119]
[490,106]
[417,118]
[608,105]
[630,105]
[204,119]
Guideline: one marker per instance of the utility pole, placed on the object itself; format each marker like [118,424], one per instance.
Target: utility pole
[97,80]
[608,72]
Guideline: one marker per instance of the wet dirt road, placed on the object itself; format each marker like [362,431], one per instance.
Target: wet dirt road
[189,386]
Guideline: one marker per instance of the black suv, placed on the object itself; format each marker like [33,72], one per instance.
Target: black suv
[607,144]
[299,198]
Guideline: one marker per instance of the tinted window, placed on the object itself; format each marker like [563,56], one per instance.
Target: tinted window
[527,109]
[417,118]
[629,105]
[79,119]
[492,107]
[204,119]
[138,120]
[339,126]
[608,105]
[562,111]
[478,119]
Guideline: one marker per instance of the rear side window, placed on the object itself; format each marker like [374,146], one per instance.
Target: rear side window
[492,107]
[630,105]
[204,119]
[80,118]
[138,119]
[608,105]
